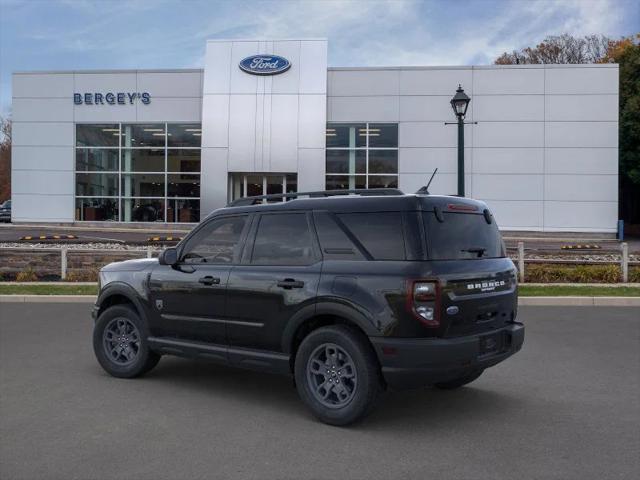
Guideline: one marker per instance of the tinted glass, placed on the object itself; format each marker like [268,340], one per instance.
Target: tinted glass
[379,233]
[147,160]
[383,135]
[96,159]
[143,185]
[143,135]
[383,161]
[217,242]
[184,135]
[346,135]
[347,161]
[181,185]
[283,240]
[334,242]
[95,209]
[104,135]
[183,161]
[462,236]
[96,184]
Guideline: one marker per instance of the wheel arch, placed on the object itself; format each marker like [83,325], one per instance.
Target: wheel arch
[120,294]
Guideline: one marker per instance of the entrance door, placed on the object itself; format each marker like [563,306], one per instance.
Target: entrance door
[189,298]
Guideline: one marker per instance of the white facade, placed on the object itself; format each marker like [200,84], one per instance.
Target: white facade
[543,153]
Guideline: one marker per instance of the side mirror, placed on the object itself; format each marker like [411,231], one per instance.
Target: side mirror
[168,257]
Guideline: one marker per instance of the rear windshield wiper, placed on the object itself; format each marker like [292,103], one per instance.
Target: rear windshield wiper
[479,250]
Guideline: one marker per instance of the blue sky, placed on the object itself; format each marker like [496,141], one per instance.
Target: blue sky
[104,34]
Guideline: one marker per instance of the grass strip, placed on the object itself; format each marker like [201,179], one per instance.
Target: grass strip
[52,289]
[577,291]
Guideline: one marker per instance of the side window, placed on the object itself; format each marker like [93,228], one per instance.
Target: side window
[379,232]
[283,239]
[217,242]
[334,242]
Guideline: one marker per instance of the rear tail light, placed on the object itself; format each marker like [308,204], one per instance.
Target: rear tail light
[423,301]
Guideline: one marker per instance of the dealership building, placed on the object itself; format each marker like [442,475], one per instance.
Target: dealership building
[263,117]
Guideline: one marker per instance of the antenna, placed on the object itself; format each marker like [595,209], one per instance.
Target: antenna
[425,190]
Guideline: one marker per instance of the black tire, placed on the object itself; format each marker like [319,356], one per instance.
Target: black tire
[139,358]
[361,391]
[460,381]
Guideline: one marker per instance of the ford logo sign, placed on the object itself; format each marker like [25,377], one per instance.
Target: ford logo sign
[265,64]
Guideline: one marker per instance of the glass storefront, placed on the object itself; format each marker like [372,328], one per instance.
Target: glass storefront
[138,172]
[255,184]
[361,155]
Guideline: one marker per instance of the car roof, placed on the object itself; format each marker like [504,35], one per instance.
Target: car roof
[356,203]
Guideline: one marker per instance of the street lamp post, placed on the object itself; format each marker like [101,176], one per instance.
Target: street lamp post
[460,103]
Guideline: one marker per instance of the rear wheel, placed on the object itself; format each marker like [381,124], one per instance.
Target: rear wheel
[337,375]
[460,381]
[120,343]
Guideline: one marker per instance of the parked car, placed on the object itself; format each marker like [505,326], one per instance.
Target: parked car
[5,211]
[349,294]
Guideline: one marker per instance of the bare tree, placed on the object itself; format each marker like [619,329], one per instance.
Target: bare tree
[563,48]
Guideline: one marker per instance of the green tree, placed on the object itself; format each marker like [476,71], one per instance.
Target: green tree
[5,159]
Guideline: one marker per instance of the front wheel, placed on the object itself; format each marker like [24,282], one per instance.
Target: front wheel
[120,343]
[460,381]
[337,375]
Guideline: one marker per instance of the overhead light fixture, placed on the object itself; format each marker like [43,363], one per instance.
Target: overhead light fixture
[158,134]
[153,129]
[330,134]
[110,129]
[196,134]
[192,129]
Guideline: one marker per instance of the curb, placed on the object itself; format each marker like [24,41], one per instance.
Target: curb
[522,301]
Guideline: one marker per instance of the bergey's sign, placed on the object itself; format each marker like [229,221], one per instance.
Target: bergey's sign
[110,98]
[265,64]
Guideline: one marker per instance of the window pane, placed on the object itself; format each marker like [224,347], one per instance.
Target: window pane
[184,135]
[217,242]
[143,185]
[96,209]
[383,135]
[103,135]
[183,211]
[346,161]
[334,242]
[292,183]
[97,184]
[183,161]
[346,182]
[383,181]
[143,135]
[380,233]
[346,135]
[97,159]
[254,186]
[283,240]
[383,161]
[180,185]
[135,160]
[143,210]
[459,233]
[274,186]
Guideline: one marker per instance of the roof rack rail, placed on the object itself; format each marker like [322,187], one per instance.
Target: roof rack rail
[245,201]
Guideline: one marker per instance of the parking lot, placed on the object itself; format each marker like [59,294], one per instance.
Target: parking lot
[567,406]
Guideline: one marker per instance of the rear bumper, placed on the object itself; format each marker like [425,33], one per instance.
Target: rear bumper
[415,362]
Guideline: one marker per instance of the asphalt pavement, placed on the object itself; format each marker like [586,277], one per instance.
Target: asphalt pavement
[566,407]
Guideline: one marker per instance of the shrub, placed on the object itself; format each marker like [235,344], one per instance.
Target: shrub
[557,273]
[27,275]
[86,275]
[634,274]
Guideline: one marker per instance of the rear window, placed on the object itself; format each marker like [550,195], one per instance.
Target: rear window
[462,236]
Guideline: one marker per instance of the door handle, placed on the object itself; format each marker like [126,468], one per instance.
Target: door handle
[209,280]
[289,283]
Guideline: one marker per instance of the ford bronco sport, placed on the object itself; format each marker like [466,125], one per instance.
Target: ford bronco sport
[350,292]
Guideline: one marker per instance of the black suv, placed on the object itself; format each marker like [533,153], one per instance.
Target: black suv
[350,294]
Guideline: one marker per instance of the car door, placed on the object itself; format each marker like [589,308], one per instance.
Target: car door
[278,276]
[189,298]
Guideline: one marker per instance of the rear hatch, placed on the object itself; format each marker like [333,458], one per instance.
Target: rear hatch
[477,281]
